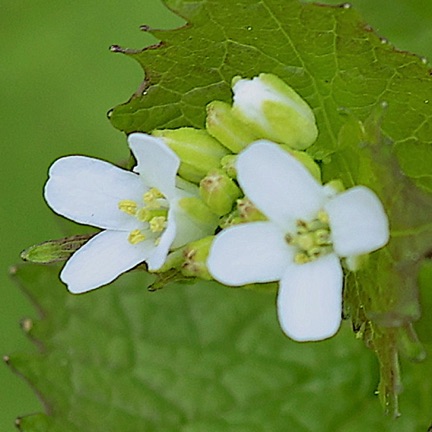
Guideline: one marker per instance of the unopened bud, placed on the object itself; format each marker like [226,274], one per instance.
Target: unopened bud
[227,128]
[197,150]
[53,251]
[248,212]
[274,111]
[219,192]
[195,258]
[228,165]
[196,212]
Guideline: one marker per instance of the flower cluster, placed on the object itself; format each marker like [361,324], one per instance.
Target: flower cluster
[240,202]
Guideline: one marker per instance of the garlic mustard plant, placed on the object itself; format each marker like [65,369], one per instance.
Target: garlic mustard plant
[140,212]
[309,228]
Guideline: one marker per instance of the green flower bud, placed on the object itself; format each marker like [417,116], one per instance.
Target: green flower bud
[228,165]
[231,219]
[194,209]
[195,258]
[197,150]
[219,192]
[274,111]
[308,161]
[248,212]
[335,185]
[227,128]
[53,251]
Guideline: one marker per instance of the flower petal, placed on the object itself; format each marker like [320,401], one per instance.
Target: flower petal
[157,164]
[248,253]
[309,301]
[278,184]
[103,259]
[88,191]
[358,222]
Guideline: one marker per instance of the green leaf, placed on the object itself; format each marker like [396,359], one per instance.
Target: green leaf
[326,53]
[192,359]
[338,64]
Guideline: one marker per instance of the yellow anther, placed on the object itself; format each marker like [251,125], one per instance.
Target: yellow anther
[152,195]
[301,258]
[322,237]
[323,217]
[136,236]
[128,206]
[315,252]
[312,239]
[146,214]
[305,241]
[158,224]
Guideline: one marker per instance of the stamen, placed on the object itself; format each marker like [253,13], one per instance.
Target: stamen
[158,224]
[152,195]
[146,214]
[322,237]
[301,258]
[128,206]
[305,241]
[312,239]
[136,236]
[323,217]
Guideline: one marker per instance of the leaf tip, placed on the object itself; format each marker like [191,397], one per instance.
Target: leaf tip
[117,49]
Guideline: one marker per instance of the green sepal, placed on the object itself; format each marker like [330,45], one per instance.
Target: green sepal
[227,128]
[219,192]
[195,258]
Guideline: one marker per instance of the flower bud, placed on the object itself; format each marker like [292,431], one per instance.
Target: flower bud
[228,165]
[248,212]
[227,128]
[274,111]
[53,251]
[197,150]
[219,192]
[195,258]
[196,211]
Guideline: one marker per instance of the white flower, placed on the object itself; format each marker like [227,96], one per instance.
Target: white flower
[309,228]
[139,211]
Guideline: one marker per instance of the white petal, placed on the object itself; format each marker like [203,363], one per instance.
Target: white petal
[358,222]
[157,163]
[278,184]
[309,301]
[103,259]
[248,253]
[88,191]
[158,257]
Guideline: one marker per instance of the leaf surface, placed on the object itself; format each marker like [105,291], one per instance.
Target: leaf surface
[194,358]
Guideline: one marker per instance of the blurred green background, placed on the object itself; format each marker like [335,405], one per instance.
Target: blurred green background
[57,81]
